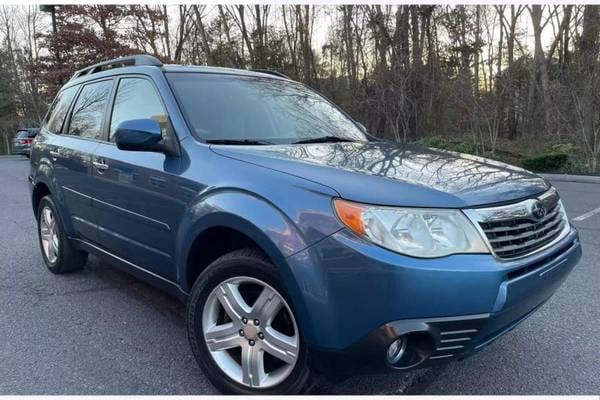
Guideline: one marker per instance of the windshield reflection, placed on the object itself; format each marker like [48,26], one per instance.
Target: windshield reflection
[226,107]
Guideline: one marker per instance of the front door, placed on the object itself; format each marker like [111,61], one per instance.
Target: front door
[135,193]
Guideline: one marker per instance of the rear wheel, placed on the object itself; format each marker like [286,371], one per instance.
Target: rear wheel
[243,331]
[57,251]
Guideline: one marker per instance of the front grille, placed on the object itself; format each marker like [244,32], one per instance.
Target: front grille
[512,231]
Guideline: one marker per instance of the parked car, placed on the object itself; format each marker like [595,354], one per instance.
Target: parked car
[22,142]
[302,246]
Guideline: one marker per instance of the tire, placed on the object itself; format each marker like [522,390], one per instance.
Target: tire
[250,266]
[66,258]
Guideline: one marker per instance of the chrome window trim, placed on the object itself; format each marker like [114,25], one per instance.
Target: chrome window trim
[521,209]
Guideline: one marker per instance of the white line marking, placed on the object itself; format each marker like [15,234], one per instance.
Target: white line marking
[587,214]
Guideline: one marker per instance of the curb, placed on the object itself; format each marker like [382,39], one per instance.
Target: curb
[10,156]
[572,178]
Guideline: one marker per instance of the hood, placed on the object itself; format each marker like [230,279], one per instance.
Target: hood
[386,173]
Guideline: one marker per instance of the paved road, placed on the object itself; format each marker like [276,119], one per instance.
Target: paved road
[103,332]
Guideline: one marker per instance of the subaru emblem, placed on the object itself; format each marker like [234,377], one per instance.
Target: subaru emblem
[538,211]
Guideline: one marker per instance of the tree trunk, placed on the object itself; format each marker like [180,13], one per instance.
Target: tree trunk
[513,121]
[291,41]
[237,59]
[541,74]
[167,36]
[500,80]
[203,37]
[588,66]
[477,41]
[349,43]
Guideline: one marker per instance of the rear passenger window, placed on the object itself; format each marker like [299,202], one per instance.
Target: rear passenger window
[87,115]
[56,115]
[137,99]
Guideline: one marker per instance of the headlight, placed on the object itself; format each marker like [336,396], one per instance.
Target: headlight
[417,232]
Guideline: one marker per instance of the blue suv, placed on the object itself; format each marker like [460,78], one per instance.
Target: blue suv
[302,246]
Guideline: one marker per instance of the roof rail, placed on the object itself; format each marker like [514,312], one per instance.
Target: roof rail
[270,72]
[141,59]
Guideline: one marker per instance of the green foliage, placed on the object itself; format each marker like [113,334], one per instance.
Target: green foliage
[505,157]
[557,157]
[547,162]
[464,144]
[563,148]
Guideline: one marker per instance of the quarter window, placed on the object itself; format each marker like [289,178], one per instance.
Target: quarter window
[137,99]
[86,119]
[56,114]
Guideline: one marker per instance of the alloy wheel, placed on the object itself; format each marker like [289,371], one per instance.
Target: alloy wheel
[250,332]
[49,234]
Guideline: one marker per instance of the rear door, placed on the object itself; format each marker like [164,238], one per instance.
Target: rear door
[73,153]
[135,193]
[68,160]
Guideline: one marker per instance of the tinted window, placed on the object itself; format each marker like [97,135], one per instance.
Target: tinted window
[88,112]
[30,133]
[234,107]
[56,115]
[136,99]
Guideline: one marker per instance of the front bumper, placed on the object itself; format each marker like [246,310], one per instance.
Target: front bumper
[462,303]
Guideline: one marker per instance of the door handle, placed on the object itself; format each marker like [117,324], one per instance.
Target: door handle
[100,165]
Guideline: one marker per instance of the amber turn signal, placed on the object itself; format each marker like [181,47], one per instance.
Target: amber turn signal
[350,214]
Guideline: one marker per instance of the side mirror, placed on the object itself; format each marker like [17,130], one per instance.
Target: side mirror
[139,135]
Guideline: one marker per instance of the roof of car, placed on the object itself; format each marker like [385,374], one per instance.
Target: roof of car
[223,70]
[138,63]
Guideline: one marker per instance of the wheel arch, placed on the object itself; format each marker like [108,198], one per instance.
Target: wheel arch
[40,189]
[44,183]
[247,221]
[214,241]
[42,180]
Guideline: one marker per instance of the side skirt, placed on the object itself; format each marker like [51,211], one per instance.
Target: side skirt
[141,273]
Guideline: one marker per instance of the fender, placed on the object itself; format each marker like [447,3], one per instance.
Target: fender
[44,173]
[256,218]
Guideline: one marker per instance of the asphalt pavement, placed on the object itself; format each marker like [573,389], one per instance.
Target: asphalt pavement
[102,331]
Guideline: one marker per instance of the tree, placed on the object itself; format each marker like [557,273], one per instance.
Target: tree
[588,100]
[510,75]
[85,35]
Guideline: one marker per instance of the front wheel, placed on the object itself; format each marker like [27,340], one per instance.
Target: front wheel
[243,331]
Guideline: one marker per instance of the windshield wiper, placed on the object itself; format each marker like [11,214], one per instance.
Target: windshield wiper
[324,139]
[239,141]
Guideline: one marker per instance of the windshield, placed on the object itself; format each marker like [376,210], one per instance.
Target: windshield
[253,110]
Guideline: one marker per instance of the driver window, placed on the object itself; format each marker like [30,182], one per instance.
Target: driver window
[137,99]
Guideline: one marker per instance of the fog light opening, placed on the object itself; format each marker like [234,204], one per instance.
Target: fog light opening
[410,350]
[396,350]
